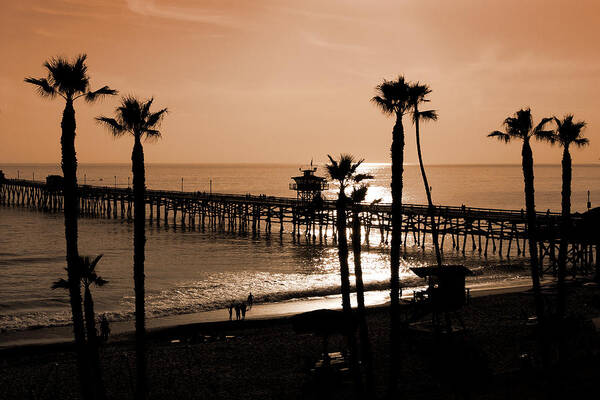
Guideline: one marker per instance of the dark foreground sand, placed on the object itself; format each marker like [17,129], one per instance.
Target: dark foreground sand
[497,357]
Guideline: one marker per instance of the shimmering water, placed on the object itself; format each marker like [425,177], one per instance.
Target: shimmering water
[192,271]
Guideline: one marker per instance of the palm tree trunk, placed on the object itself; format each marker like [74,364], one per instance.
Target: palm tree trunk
[90,322]
[360,296]
[431,208]
[527,159]
[397,151]
[71,209]
[139,243]
[564,231]
[345,282]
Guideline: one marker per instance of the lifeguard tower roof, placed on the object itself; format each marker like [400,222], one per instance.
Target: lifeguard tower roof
[445,271]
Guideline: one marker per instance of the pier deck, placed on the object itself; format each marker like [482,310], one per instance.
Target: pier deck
[464,228]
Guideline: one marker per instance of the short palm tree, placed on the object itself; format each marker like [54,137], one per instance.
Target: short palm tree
[520,127]
[567,133]
[134,117]
[69,80]
[418,95]
[358,195]
[89,277]
[344,171]
[393,99]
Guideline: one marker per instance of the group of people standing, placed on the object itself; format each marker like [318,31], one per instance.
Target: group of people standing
[240,308]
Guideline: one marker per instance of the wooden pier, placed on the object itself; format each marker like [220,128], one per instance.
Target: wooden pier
[485,231]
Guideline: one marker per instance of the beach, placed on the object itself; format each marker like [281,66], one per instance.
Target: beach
[494,357]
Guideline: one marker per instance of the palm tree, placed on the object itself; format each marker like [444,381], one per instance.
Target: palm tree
[359,193]
[134,117]
[343,171]
[392,98]
[418,93]
[520,127]
[69,80]
[567,133]
[89,277]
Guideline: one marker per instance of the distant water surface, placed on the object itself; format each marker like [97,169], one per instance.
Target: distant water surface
[192,271]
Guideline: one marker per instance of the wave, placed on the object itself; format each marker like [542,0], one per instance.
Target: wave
[156,307]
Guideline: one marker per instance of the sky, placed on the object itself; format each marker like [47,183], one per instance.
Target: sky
[282,81]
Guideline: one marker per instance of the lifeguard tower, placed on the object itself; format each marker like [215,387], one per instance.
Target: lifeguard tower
[308,186]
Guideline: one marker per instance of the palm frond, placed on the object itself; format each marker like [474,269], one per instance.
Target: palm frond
[503,137]
[90,97]
[68,77]
[386,106]
[156,118]
[362,177]
[99,281]
[428,115]
[152,135]
[43,87]
[60,284]
[359,194]
[546,136]
[541,125]
[581,142]
[111,124]
[95,262]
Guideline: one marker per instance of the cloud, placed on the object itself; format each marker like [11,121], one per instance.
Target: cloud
[318,42]
[149,8]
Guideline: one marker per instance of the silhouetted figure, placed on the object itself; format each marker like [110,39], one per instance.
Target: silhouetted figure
[243,307]
[230,311]
[237,312]
[104,328]
[250,300]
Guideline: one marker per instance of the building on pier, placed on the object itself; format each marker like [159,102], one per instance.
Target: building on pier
[308,186]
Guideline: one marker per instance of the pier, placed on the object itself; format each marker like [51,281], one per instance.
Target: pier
[465,229]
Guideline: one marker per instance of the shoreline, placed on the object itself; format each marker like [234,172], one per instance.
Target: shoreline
[266,313]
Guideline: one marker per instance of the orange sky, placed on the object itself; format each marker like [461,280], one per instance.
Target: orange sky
[284,81]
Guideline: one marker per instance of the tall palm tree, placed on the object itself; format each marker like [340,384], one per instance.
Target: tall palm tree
[567,133]
[392,98]
[89,277]
[134,117]
[343,171]
[520,127]
[418,94]
[69,80]
[359,194]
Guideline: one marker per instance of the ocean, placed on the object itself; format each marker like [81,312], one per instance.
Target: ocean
[193,272]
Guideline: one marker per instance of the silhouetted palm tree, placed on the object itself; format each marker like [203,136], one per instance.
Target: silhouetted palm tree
[567,133]
[89,277]
[69,80]
[520,127]
[393,99]
[134,117]
[343,171]
[418,94]
[359,193]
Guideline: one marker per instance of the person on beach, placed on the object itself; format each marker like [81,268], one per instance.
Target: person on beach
[243,307]
[104,328]
[230,310]
[237,312]
[250,301]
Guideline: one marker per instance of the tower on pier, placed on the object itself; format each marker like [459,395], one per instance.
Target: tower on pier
[308,186]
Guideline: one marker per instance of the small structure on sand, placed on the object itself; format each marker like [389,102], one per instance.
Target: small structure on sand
[445,292]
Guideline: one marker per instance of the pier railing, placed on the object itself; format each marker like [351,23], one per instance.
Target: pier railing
[481,230]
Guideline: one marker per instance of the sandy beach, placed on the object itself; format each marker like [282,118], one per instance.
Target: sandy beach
[495,357]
